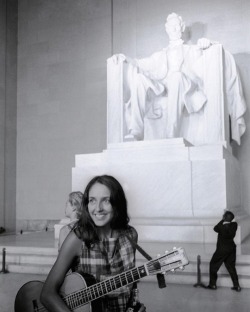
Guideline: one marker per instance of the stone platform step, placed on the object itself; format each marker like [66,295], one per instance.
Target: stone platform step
[187,230]
[29,259]
[29,268]
[205,251]
[40,260]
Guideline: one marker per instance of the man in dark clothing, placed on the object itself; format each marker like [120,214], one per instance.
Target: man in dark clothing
[225,251]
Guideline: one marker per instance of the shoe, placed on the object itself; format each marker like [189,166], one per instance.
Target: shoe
[236,288]
[213,287]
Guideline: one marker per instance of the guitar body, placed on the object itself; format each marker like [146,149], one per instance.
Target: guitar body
[28,296]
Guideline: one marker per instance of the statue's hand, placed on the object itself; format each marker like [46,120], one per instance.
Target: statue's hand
[118,58]
[204,43]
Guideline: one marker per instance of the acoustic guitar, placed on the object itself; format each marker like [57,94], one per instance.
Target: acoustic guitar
[77,293]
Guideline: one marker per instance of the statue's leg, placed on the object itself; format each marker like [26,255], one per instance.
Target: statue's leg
[175,90]
[138,107]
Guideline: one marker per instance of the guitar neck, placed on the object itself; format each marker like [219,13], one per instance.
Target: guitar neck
[101,289]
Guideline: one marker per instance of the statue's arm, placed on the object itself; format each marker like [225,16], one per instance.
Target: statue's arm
[147,64]
[119,58]
[153,67]
[204,43]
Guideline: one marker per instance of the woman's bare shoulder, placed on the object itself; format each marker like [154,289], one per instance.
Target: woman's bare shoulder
[71,245]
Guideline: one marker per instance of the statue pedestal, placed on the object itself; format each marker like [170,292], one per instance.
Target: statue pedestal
[175,191]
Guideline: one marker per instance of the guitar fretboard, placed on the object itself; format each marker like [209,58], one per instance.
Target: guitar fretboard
[100,289]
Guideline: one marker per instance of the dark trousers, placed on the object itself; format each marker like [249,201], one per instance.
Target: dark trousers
[229,259]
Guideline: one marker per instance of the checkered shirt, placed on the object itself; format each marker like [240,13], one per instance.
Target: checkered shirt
[107,258]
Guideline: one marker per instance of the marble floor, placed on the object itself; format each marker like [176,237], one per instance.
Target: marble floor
[173,298]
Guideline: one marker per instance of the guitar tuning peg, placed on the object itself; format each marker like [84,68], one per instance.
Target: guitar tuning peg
[173,270]
[181,268]
[174,248]
[158,255]
[166,252]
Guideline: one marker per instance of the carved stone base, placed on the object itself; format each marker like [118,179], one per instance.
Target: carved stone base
[175,191]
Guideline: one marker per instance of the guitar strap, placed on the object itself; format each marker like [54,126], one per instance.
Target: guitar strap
[160,276]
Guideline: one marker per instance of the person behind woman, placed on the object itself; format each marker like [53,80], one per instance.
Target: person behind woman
[100,240]
[73,212]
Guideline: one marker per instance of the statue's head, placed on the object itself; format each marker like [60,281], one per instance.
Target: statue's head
[174,26]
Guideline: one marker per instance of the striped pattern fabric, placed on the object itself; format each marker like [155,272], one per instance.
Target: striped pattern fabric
[108,258]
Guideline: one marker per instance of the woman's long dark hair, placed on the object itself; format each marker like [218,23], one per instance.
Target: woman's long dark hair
[86,227]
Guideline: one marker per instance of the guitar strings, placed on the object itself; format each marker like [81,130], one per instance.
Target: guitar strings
[102,288]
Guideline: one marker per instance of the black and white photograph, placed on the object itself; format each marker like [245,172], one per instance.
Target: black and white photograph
[124,156]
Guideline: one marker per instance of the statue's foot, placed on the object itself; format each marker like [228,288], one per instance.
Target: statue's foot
[133,136]
[129,138]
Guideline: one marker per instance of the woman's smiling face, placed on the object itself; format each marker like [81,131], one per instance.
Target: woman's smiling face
[99,206]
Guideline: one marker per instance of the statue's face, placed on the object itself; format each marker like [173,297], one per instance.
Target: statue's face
[174,29]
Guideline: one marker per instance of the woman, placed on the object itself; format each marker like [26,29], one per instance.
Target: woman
[73,211]
[100,240]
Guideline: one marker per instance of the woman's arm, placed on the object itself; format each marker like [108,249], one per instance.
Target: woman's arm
[64,231]
[50,293]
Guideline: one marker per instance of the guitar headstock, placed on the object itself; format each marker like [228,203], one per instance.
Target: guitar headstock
[170,261]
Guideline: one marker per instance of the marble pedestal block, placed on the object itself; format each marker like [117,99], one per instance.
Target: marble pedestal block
[175,191]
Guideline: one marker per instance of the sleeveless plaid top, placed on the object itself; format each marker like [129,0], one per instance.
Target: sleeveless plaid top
[107,258]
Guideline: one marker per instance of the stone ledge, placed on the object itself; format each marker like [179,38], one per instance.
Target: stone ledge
[28,225]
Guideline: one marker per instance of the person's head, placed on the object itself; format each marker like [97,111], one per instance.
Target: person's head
[228,216]
[104,204]
[73,205]
[174,26]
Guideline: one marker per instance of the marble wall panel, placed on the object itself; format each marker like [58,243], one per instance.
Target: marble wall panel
[153,189]
[209,187]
